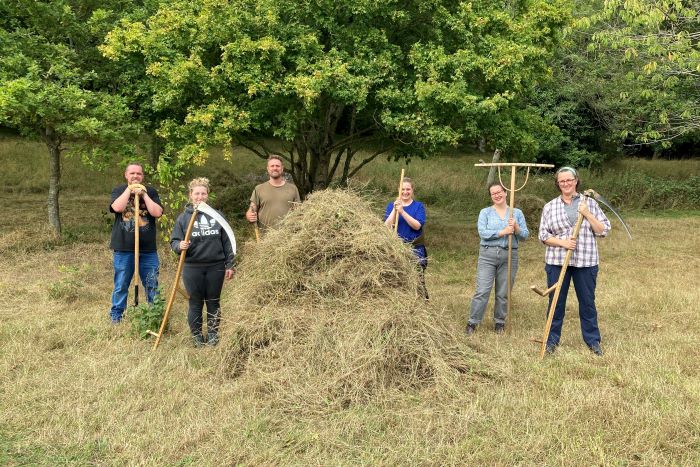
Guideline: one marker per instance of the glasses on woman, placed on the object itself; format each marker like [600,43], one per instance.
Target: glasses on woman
[566,182]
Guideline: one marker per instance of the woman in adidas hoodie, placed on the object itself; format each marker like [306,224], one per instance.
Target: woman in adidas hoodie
[209,259]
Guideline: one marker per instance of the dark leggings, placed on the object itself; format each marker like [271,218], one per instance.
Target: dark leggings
[422,289]
[203,283]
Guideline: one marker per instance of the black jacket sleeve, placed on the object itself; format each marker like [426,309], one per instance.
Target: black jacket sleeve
[178,233]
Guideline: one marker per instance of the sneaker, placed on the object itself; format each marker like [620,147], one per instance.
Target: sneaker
[550,349]
[198,340]
[212,338]
[595,348]
[500,328]
[471,328]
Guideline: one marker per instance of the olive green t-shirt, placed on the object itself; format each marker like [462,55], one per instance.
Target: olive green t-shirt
[274,202]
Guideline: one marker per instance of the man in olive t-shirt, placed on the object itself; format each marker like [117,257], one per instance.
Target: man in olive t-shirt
[272,200]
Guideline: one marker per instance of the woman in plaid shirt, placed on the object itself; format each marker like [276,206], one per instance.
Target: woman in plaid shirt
[556,229]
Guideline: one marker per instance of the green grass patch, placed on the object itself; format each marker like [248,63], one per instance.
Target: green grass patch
[15,450]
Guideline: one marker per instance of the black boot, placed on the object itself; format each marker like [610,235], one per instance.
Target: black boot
[198,340]
[212,338]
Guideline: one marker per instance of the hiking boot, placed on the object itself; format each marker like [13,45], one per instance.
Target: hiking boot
[500,328]
[212,338]
[595,348]
[198,340]
[470,329]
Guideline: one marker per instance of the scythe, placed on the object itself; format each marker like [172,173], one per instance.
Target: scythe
[556,288]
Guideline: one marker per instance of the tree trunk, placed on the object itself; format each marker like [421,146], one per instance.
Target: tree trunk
[492,170]
[54,145]
[323,164]
[157,144]
[482,144]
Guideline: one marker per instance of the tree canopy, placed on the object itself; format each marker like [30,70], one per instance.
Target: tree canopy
[658,42]
[328,78]
[54,84]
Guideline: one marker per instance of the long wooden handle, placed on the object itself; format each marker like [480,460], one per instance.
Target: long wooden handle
[253,207]
[555,298]
[137,242]
[176,283]
[509,285]
[396,214]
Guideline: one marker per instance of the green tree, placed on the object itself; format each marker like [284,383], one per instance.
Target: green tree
[55,84]
[577,106]
[329,78]
[656,40]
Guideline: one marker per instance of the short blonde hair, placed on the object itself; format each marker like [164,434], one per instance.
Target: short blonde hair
[199,181]
[275,157]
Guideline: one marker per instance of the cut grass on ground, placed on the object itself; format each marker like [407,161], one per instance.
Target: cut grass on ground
[76,390]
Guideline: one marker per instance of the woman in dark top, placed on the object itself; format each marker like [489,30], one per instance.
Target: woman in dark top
[209,259]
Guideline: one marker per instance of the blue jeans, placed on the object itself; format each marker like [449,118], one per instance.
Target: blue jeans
[124,272]
[491,269]
[584,283]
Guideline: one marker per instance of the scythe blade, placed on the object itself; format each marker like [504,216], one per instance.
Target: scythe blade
[211,212]
[598,197]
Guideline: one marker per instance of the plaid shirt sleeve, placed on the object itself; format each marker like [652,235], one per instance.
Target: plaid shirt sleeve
[555,223]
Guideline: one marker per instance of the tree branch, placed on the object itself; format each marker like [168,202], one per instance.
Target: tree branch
[251,148]
[369,159]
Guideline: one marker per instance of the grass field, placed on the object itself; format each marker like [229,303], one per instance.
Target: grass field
[75,390]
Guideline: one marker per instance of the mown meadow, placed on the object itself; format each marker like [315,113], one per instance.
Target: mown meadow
[75,390]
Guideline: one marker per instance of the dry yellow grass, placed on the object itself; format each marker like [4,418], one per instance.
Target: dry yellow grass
[76,390]
[328,314]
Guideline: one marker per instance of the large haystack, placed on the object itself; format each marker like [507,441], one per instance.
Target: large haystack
[324,311]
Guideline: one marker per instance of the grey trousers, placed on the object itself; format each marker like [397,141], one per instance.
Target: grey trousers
[492,267]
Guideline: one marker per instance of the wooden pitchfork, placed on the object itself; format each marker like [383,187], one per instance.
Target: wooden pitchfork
[511,192]
[176,283]
[556,288]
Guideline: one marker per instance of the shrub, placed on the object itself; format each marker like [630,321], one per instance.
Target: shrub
[147,316]
[66,289]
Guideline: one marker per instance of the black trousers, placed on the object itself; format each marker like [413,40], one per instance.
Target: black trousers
[203,283]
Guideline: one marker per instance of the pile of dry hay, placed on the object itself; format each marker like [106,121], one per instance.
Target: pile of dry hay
[324,312]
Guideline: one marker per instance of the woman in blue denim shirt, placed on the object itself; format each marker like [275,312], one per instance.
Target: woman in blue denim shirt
[494,227]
